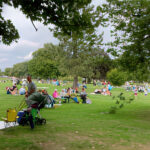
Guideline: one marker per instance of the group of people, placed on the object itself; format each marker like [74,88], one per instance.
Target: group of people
[67,94]
[140,89]
[63,96]
[15,91]
[100,82]
[137,89]
[106,90]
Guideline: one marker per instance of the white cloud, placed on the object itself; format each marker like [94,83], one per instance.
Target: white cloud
[28,43]
[27,57]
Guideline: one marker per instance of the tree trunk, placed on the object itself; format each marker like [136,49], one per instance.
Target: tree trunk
[89,80]
[75,82]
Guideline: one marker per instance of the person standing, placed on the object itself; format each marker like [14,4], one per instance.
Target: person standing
[30,99]
[31,86]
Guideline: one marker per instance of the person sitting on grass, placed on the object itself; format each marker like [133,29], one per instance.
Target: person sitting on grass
[108,92]
[74,97]
[145,92]
[63,93]
[64,96]
[12,91]
[76,90]
[97,91]
[22,91]
[8,91]
[103,91]
[55,94]
[69,92]
[84,85]
[14,87]
[50,99]
[83,95]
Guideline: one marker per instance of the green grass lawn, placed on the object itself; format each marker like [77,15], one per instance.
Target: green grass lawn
[81,126]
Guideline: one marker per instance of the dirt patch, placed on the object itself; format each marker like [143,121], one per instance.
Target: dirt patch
[51,146]
[63,142]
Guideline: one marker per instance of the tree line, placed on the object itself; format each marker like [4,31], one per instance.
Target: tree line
[80,51]
[53,61]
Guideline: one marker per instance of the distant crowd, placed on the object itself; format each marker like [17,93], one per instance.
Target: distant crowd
[144,88]
[64,96]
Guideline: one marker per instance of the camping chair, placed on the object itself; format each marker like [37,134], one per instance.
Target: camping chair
[10,120]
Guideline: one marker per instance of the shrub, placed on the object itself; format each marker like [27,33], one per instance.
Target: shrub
[116,77]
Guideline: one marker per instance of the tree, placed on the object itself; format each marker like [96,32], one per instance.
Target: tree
[102,64]
[130,20]
[8,71]
[80,46]
[78,53]
[67,15]
[42,68]
[1,73]
[20,69]
[44,62]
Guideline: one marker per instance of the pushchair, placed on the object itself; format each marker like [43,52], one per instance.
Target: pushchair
[31,116]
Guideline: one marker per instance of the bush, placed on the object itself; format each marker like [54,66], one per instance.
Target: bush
[116,77]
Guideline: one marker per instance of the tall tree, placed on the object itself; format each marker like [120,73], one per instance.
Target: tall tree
[44,62]
[78,48]
[131,22]
[65,14]
[80,45]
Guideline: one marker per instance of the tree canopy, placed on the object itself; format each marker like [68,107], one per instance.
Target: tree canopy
[67,15]
[78,53]
[131,23]
[44,62]
[81,45]
[20,69]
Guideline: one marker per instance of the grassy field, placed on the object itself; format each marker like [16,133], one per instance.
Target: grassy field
[81,126]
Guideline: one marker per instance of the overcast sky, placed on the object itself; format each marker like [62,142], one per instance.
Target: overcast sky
[30,40]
